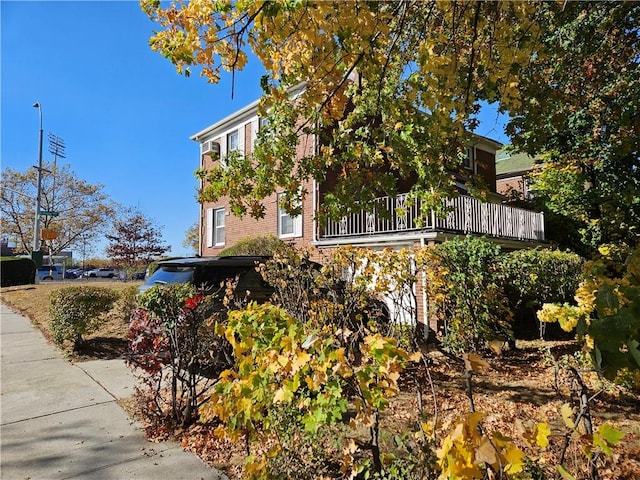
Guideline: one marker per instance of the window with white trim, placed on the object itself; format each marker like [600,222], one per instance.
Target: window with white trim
[232,141]
[215,226]
[288,226]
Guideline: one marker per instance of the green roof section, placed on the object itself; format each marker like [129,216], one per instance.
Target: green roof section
[513,162]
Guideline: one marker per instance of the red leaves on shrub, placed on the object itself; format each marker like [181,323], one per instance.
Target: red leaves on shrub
[148,347]
[192,303]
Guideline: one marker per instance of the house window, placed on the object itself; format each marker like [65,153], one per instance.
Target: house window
[288,226]
[215,227]
[258,125]
[218,232]
[528,195]
[467,163]
[232,141]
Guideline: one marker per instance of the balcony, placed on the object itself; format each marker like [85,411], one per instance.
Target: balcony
[466,215]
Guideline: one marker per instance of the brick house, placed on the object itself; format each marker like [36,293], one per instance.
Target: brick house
[511,227]
[219,229]
[511,173]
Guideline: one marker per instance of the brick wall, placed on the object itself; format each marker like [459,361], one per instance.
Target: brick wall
[240,228]
[505,186]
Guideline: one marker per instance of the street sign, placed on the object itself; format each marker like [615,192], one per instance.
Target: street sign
[48,234]
[48,213]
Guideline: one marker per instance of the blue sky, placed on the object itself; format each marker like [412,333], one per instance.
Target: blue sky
[124,113]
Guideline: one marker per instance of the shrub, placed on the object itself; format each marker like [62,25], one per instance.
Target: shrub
[606,318]
[170,330]
[126,304]
[76,311]
[260,245]
[338,295]
[465,294]
[17,271]
[296,396]
[532,277]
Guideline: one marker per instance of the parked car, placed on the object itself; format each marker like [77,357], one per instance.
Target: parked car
[125,275]
[138,275]
[73,273]
[50,272]
[100,272]
[209,273]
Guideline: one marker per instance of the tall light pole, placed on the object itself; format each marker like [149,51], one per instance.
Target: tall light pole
[36,223]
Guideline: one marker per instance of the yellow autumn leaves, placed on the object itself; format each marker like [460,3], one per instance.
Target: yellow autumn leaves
[466,451]
[448,46]
[278,362]
[601,295]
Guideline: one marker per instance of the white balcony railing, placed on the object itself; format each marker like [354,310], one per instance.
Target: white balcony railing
[466,215]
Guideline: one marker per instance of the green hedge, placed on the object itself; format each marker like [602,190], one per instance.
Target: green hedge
[17,271]
[76,311]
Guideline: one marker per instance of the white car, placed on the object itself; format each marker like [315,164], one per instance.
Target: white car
[100,272]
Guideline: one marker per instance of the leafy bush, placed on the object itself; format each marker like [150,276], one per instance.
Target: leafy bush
[305,385]
[606,318]
[148,347]
[465,295]
[76,311]
[17,271]
[290,390]
[260,245]
[170,330]
[126,304]
[339,295]
[531,277]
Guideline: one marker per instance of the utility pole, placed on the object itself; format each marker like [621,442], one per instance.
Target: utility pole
[56,148]
[36,254]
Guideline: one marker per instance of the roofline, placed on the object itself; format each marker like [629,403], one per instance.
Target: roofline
[512,173]
[253,106]
[498,145]
[244,111]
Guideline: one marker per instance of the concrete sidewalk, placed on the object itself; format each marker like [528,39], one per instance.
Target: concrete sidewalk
[60,420]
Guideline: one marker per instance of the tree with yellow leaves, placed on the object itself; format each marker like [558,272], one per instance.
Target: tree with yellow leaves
[391,88]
